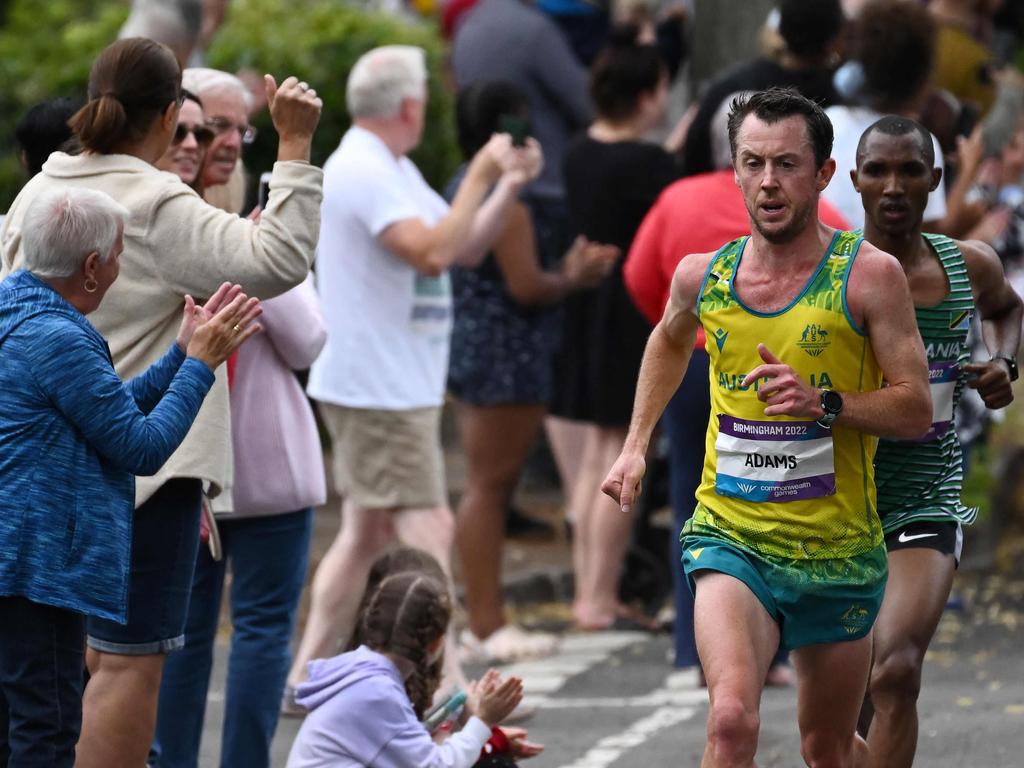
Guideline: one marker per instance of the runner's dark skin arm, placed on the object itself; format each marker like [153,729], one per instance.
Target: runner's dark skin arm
[1001,311]
[879,300]
[666,357]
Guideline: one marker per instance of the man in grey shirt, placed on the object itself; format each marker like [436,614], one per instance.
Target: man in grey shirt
[511,40]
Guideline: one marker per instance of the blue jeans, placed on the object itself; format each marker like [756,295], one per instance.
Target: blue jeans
[42,668]
[268,557]
[686,422]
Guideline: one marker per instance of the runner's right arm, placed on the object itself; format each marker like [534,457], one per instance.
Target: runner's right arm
[665,359]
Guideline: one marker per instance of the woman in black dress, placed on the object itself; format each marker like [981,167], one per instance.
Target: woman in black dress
[612,178]
[504,339]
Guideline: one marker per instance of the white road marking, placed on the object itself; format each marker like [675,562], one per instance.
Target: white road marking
[660,698]
[611,748]
[577,653]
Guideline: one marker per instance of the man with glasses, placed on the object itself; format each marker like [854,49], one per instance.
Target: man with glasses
[226,103]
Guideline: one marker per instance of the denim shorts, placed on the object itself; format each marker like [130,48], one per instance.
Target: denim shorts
[165,540]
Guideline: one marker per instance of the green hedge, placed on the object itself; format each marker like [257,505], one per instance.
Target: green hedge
[46,49]
[319,42]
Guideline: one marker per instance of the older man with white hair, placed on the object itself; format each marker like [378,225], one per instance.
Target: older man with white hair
[386,242]
[226,104]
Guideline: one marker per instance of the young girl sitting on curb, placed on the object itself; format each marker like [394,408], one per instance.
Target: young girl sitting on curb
[365,705]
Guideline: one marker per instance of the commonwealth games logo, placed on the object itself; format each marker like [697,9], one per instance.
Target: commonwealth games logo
[814,340]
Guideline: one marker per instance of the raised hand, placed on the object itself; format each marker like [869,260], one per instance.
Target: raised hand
[521,165]
[295,109]
[492,158]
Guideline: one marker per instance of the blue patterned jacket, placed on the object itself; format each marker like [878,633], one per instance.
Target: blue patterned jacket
[72,437]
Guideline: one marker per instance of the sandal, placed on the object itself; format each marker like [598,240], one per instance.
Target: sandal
[508,644]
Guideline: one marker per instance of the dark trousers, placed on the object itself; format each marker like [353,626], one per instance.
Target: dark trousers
[42,674]
[685,422]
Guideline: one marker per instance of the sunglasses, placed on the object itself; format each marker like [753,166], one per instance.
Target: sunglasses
[222,125]
[203,134]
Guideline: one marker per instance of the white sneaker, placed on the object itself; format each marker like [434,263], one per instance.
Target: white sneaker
[508,644]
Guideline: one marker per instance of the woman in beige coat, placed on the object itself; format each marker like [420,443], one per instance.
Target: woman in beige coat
[174,244]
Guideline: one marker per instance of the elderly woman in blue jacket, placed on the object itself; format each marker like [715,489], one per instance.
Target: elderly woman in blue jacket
[72,438]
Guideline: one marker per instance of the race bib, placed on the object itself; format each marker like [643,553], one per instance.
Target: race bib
[774,460]
[942,378]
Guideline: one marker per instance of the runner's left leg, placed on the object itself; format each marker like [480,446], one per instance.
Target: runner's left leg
[915,595]
[831,680]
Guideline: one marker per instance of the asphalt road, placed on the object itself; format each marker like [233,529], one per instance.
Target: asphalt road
[610,699]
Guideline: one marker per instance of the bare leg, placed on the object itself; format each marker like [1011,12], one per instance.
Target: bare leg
[119,710]
[831,680]
[339,582]
[496,441]
[603,533]
[565,438]
[915,596]
[736,640]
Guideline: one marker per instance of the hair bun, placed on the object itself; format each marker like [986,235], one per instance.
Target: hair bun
[623,35]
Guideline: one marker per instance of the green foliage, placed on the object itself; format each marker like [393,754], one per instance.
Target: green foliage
[46,50]
[319,44]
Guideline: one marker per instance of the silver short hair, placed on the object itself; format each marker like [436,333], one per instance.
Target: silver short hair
[721,151]
[63,226]
[202,80]
[382,78]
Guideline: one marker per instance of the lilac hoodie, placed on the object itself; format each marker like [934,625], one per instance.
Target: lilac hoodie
[360,715]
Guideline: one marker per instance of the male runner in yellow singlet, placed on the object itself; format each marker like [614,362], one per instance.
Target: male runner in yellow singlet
[785,545]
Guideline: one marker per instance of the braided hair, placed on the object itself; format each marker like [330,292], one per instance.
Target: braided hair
[392,562]
[406,614]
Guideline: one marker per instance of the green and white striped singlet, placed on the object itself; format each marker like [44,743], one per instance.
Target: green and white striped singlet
[922,479]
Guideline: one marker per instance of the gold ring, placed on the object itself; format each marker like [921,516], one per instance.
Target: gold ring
[238,328]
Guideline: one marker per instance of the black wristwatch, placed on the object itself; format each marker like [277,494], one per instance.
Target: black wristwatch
[832,405]
[1011,363]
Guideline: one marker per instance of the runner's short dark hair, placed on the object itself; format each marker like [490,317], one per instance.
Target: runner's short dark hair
[777,104]
[894,125]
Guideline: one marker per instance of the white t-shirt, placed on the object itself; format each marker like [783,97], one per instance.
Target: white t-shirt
[849,123]
[388,327]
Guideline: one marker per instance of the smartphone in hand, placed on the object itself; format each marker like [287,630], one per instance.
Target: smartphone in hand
[264,193]
[516,127]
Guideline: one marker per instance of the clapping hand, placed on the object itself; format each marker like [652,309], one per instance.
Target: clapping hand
[194,315]
[492,698]
[217,337]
